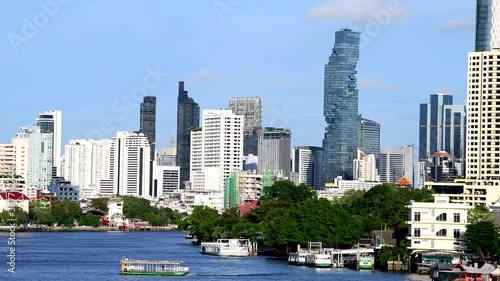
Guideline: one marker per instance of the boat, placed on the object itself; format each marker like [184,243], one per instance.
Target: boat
[189,236]
[365,262]
[227,248]
[319,260]
[143,267]
[297,258]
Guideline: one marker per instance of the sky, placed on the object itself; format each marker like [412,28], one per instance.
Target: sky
[95,60]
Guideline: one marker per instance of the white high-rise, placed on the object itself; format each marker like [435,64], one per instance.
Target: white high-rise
[365,167]
[216,150]
[166,179]
[86,163]
[396,163]
[129,166]
[51,122]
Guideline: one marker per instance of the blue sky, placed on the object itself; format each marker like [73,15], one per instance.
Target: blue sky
[87,58]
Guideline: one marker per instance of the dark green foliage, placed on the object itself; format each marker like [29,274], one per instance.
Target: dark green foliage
[65,212]
[140,208]
[89,220]
[483,238]
[100,204]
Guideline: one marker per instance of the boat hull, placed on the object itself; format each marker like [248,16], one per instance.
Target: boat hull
[175,273]
[226,254]
[320,265]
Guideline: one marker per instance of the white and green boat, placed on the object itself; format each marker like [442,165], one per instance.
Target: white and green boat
[319,260]
[365,263]
[297,258]
[162,268]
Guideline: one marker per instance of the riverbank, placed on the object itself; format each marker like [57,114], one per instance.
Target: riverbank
[82,229]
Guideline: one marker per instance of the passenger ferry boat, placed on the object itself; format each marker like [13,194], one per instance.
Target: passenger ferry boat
[227,247]
[142,267]
[365,262]
[319,260]
[297,258]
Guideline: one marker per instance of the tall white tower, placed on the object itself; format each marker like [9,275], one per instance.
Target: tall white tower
[51,122]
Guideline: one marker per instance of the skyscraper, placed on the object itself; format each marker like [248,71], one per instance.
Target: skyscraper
[148,122]
[442,127]
[251,109]
[188,116]
[395,163]
[369,137]
[487,25]
[306,163]
[274,149]
[51,122]
[341,107]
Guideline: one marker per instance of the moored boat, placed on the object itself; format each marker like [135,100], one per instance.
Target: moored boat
[143,267]
[365,263]
[319,260]
[227,247]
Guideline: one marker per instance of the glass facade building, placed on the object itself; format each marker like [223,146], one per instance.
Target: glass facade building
[487,25]
[341,107]
[188,116]
[442,127]
[369,137]
[148,122]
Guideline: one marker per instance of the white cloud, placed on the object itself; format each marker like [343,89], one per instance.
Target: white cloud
[374,84]
[457,25]
[359,11]
[203,75]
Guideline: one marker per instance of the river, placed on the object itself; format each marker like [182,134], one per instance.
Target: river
[95,256]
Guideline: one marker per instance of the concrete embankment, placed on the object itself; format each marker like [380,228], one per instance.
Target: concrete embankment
[82,229]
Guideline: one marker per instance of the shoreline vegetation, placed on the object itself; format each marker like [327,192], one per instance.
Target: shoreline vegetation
[83,229]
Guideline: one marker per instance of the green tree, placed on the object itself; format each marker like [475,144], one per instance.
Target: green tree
[483,238]
[287,191]
[203,222]
[89,220]
[39,212]
[479,213]
[100,204]
[21,216]
[65,212]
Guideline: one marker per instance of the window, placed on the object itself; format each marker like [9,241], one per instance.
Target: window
[456,233]
[416,232]
[441,217]
[441,233]
[416,216]
[456,217]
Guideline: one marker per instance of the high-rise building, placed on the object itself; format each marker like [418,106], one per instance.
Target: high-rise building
[396,163]
[86,164]
[216,150]
[365,167]
[306,164]
[274,149]
[188,117]
[251,109]
[40,159]
[166,180]
[487,25]
[51,122]
[129,167]
[369,136]
[148,122]
[442,128]
[341,107]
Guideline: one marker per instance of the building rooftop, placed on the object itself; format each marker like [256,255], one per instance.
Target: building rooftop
[13,195]
[403,182]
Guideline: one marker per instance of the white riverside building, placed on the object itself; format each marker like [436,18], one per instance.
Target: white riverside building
[129,166]
[437,226]
[216,151]
[341,186]
[86,163]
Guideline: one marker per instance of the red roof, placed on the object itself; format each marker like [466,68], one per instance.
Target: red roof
[14,195]
[247,207]
[441,154]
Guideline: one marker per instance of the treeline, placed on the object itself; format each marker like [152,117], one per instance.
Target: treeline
[289,215]
[67,213]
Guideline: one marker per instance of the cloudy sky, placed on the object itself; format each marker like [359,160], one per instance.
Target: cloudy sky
[94,59]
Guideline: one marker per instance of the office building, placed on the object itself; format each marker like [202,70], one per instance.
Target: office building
[251,109]
[339,187]
[129,165]
[396,163]
[51,122]
[216,150]
[168,156]
[274,150]
[487,25]
[166,180]
[148,122]
[340,142]
[188,117]
[365,167]
[442,128]
[64,190]
[245,186]
[306,165]
[369,137]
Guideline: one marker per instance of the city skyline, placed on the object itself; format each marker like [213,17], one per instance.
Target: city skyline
[213,83]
